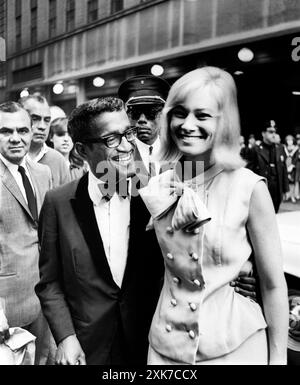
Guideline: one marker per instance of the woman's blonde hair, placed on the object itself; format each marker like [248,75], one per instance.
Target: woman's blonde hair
[226,149]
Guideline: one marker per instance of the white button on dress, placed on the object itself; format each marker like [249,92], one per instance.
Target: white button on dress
[192,334]
[168,328]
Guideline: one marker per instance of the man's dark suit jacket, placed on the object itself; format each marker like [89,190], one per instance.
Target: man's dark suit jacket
[260,165]
[76,289]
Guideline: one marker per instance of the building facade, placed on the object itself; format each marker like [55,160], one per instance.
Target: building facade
[69,43]
[3,28]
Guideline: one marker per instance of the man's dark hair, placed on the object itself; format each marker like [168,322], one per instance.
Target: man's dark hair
[37,97]
[11,107]
[82,117]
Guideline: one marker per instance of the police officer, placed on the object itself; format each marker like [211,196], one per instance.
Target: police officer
[270,163]
[144,97]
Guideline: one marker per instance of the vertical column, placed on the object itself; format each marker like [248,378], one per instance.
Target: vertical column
[81,92]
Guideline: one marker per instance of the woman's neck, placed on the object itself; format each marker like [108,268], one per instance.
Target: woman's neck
[197,165]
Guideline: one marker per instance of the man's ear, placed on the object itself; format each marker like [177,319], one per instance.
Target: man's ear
[80,149]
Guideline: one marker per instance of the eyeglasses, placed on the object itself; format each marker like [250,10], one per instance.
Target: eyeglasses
[150,112]
[271,131]
[115,140]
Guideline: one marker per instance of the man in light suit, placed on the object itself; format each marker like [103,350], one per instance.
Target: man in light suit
[23,185]
[100,270]
[39,110]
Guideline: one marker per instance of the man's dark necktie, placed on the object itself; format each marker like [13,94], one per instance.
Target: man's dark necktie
[152,171]
[29,193]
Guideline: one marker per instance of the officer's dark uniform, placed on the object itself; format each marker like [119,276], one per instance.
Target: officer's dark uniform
[269,161]
[138,92]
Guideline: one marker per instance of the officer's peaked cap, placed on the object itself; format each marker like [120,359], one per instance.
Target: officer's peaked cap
[144,89]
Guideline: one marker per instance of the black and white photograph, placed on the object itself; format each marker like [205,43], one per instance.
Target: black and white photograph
[149,185]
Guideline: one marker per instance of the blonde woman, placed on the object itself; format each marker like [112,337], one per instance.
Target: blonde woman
[208,221]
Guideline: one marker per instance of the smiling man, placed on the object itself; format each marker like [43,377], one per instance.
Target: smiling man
[99,284]
[39,110]
[23,185]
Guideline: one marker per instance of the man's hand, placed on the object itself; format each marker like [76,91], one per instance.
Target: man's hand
[4,328]
[245,286]
[69,352]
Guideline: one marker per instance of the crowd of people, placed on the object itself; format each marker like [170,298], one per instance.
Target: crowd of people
[131,232]
[278,162]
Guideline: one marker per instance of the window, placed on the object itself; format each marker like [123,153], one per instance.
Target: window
[70,15]
[18,33]
[116,6]
[33,22]
[18,15]
[18,8]
[33,4]
[2,19]
[92,10]
[52,18]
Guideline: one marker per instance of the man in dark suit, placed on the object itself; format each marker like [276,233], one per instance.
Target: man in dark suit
[100,271]
[268,160]
[23,185]
[144,97]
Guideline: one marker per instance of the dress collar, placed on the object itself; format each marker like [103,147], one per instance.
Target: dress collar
[206,177]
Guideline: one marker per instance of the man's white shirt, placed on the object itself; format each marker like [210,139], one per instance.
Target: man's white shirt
[113,219]
[41,154]
[13,169]
[144,150]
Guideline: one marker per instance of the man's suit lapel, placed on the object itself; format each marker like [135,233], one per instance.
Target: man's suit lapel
[139,217]
[9,181]
[84,211]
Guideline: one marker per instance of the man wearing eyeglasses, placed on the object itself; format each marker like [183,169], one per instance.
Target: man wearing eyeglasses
[144,97]
[269,161]
[100,271]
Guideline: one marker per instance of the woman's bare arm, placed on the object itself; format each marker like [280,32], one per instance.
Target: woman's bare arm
[264,235]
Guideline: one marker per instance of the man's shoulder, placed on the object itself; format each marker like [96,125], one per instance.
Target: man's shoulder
[257,147]
[53,156]
[280,147]
[64,192]
[38,168]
